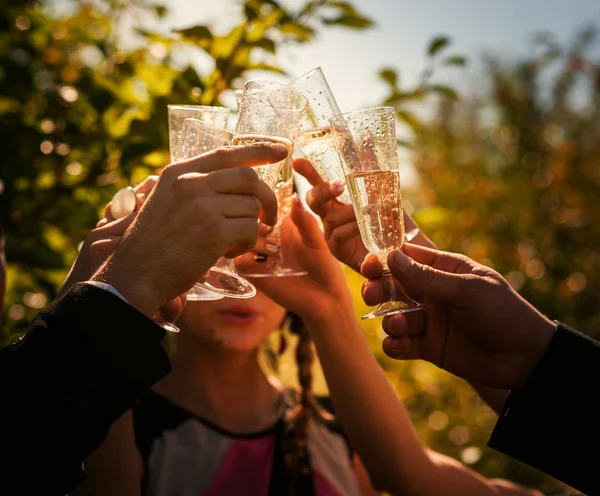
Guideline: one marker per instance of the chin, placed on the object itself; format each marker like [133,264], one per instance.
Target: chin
[238,338]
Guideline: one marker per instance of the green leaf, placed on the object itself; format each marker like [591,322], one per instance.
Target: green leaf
[390,76]
[409,119]
[265,44]
[455,60]
[298,31]
[200,35]
[442,90]
[437,44]
[350,21]
[134,152]
[250,13]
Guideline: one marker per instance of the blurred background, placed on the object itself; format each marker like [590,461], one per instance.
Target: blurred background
[498,109]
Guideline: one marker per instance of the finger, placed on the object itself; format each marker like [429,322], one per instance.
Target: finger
[306,169]
[307,225]
[104,247]
[318,198]
[371,268]
[142,190]
[116,227]
[373,292]
[410,324]
[340,217]
[146,186]
[172,309]
[423,279]
[237,206]
[401,349]
[345,233]
[102,222]
[441,260]
[265,247]
[243,234]
[228,157]
[264,229]
[244,181]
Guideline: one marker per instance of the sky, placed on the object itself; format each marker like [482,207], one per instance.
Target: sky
[351,59]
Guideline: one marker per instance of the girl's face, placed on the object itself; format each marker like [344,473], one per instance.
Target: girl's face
[236,324]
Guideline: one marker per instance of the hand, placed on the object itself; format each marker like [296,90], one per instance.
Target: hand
[339,221]
[475,325]
[102,241]
[199,210]
[315,295]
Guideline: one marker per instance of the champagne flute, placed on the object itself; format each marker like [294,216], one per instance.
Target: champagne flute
[315,139]
[366,143]
[222,279]
[214,115]
[269,112]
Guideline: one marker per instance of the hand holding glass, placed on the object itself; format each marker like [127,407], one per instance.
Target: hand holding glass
[366,143]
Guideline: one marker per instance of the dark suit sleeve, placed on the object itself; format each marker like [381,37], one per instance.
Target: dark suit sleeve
[553,424]
[82,364]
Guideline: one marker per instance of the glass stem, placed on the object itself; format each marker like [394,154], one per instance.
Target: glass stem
[390,284]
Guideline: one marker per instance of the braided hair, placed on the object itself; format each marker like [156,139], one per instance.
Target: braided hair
[295,449]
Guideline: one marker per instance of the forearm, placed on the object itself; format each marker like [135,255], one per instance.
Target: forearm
[81,365]
[373,417]
[452,477]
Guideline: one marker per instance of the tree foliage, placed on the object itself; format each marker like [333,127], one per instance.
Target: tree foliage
[83,115]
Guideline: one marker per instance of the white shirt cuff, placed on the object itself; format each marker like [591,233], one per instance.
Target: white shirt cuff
[107,287]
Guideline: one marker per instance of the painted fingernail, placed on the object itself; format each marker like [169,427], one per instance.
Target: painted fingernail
[279,148]
[296,200]
[260,258]
[272,247]
[338,186]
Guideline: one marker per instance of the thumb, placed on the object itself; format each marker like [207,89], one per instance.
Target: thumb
[423,279]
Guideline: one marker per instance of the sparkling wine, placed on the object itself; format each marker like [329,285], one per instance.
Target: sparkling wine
[318,147]
[378,209]
[269,173]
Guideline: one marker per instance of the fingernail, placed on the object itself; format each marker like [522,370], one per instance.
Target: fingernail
[272,247]
[401,260]
[279,148]
[338,186]
[260,258]
[296,200]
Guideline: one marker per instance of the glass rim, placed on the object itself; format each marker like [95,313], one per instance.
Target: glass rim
[306,74]
[378,110]
[278,86]
[176,106]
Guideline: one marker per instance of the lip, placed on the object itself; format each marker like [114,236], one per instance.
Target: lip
[239,315]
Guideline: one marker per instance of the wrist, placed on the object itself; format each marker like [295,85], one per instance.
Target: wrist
[139,293]
[543,333]
[329,312]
